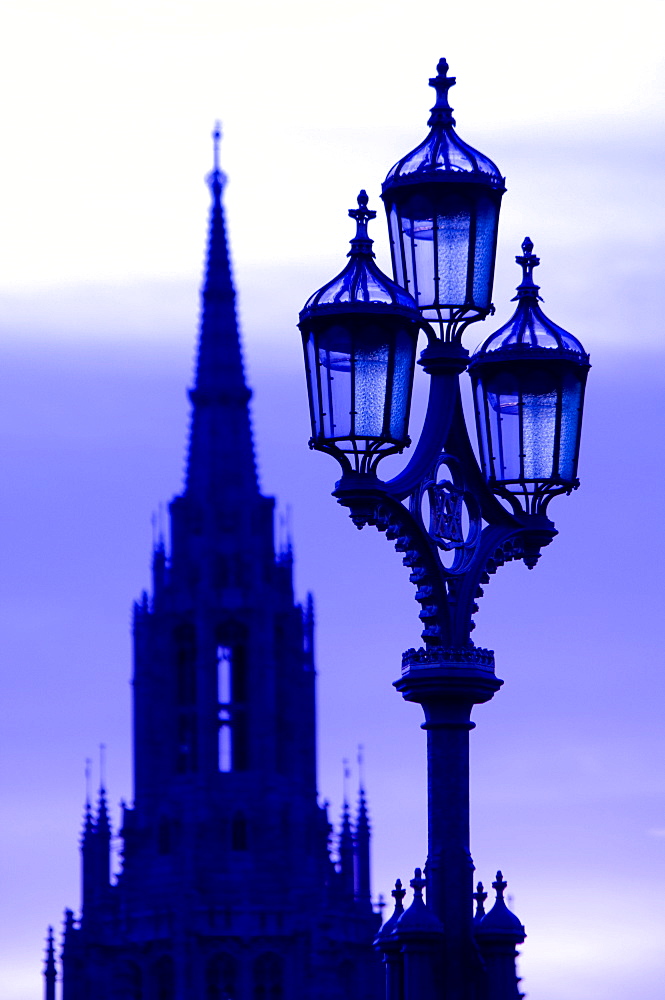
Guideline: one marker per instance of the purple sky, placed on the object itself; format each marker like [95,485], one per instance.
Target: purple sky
[100,263]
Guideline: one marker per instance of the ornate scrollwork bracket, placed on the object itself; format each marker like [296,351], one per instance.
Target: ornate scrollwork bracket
[451,529]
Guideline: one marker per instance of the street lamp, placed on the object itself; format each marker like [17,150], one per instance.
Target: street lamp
[454,518]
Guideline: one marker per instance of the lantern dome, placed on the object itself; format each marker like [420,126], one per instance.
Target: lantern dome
[442,200]
[528,385]
[361,283]
[359,333]
[443,155]
[529,329]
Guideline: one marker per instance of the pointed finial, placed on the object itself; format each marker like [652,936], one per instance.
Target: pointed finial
[88,781]
[480,896]
[361,770]
[216,138]
[216,178]
[50,970]
[442,113]
[528,260]
[102,768]
[499,885]
[418,883]
[288,521]
[346,771]
[361,243]
[398,894]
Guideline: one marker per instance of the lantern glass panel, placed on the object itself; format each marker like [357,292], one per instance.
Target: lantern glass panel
[399,267]
[539,413]
[372,358]
[529,424]
[334,374]
[360,382]
[486,228]
[571,412]
[405,350]
[502,417]
[486,434]
[453,223]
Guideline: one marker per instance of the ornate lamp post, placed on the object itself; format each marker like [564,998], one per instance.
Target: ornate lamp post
[455,519]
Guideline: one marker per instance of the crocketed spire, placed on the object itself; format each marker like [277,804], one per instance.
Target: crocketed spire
[50,972]
[361,843]
[220,451]
[346,853]
[103,837]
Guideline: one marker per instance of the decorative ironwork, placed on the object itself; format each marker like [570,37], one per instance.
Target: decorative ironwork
[446,508]
[455,520]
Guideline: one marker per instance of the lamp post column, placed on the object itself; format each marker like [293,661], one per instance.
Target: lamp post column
[448,690]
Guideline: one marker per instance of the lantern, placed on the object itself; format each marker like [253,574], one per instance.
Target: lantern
[443,201]
[528,385]
[359,336]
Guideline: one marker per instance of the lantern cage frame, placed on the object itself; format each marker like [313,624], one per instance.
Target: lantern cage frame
[442,172]
[361,311]
[356,452]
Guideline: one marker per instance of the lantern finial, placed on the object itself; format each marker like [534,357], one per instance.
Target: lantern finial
[527,287]
[442,113]
[361,244]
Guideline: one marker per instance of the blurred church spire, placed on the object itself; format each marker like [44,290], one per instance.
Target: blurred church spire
[221,453]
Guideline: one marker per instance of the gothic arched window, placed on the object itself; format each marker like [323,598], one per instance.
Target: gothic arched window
[232,696]
[239,832]
[164,836]
[221,975]
[345,977]
[184,637]
[163,979]
[268,977]
[128,982]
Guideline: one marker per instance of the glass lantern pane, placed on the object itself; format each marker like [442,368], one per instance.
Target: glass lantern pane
[418,247]
[484,442]
[453,224]
[539,430]
[370,383]
[486,224]
[396,248]
[504,425]
[313,385]
[505,431]
[401,388]
[334,367]
[571,400]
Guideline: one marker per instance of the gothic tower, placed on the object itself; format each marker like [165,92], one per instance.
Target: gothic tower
[227,889]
